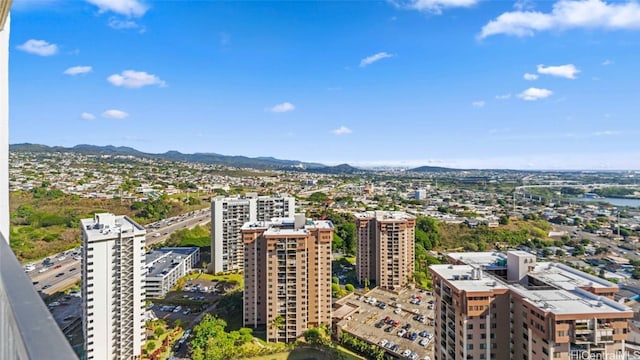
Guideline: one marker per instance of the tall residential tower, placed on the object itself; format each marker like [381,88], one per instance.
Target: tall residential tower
[287,276]
[492,305]
[385,248]
[227,217]
[113,265]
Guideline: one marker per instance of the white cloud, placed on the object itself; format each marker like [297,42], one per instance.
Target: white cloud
[503,96]
[432,6]
[78,70]
[373,58]
[342,130]
[115,114]
[39,47]
[119,24]
[478,103]
[607,62]
[607,133]
[530,77]
[135,79]
[122,7]
[87,116]
[566,14]
[533,94]
[568,71]
[282,108]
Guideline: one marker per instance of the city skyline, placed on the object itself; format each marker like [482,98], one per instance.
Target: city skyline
[463,84]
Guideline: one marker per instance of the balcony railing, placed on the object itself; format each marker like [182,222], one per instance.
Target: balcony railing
[27,328]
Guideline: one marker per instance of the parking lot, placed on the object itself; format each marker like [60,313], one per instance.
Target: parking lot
[400,323]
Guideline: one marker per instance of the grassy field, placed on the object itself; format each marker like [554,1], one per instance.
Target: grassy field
[308,353]
[48,222]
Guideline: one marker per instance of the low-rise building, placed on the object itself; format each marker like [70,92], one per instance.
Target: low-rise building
[166,266]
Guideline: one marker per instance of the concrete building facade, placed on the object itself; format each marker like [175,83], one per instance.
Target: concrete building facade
[492,305]
[227,217]
[166,266]
[5,21]
[287,276]
[113,262]
[385,248]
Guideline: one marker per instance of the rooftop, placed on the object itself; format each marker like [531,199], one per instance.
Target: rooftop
[160,261]
[566,277]
[562,302]
[384,215]
[288,225]
[106,225]
[467,278]
[484,258]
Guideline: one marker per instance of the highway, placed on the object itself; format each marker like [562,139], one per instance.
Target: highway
[66,268]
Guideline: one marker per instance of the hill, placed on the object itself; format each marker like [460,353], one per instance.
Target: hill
[262,163]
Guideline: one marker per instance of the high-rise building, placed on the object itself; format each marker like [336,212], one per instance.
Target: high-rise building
[287,276]
[385,248]
[492,305]
[113,265]
[227,217]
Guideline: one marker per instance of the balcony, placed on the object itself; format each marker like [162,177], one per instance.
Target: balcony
[29,331]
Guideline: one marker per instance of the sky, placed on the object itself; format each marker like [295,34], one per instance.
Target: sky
[460,83]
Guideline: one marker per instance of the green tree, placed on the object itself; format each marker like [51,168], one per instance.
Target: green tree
[151,345]
[318,197]
[277,324]
[350,288]
[504,220]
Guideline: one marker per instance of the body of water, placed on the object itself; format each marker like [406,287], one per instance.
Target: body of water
[613,201]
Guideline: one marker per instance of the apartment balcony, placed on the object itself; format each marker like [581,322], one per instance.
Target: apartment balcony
[27,327]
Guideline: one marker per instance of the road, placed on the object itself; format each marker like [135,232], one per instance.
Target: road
[66,267]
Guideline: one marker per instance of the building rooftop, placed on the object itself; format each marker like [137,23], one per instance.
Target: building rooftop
[384,215]
[562,295]
[106,225]
[159,262]
[562,302]
[292,226]
[467,278]
[566,277]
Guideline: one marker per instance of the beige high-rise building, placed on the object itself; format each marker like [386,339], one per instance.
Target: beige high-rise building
[385,248]
[492,305]
[287,276]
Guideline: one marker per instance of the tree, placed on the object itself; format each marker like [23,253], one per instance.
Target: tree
[318,197]
[350,288]
[277,324]
[504,220]
[559,252]
[335,280]
[151,345]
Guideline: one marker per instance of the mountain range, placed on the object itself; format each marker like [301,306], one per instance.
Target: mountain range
[261,163]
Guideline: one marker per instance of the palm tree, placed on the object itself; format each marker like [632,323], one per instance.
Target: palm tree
[277,323]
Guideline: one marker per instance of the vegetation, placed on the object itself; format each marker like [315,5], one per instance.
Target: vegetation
[199,236]
[370,351]
[45,222]
[210,341]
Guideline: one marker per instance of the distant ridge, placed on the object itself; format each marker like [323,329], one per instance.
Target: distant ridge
[261,163]
[436,169]
[342,169]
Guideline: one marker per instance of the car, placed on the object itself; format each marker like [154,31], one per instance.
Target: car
[58,266]
[390,344]
[413,336]
[406,353]
[395,348]
[60,274]
[413,356]
[423,342]
[383,342]
[46,287]
[54,304]
[73,269]
[29,268]
[61,258]
[386,319]
[177,309]
[396,323]
[389,329]
[36,282]
[186,312]
[44,269]
[379,324]
[77,257]
[423,333]
[397,311]
[401,332]
[407,326]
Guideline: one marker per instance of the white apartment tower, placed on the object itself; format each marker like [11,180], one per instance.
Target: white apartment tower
[113,265]
[228,214]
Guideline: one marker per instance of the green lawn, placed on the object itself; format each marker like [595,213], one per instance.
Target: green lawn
[307,353]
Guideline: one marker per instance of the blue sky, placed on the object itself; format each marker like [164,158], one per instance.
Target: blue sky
[461,83]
